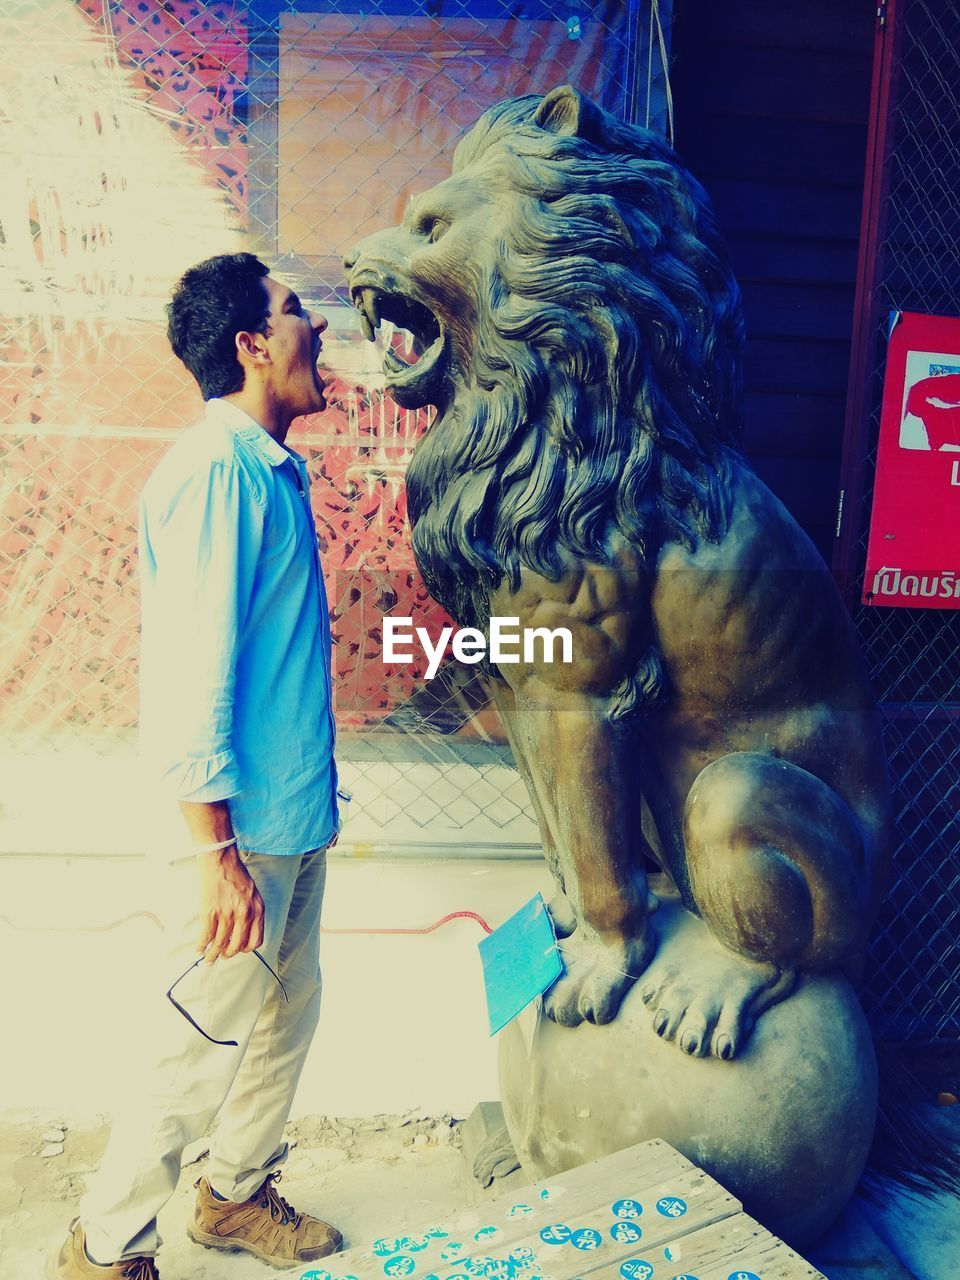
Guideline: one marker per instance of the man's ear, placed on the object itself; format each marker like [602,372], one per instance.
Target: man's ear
[252,348]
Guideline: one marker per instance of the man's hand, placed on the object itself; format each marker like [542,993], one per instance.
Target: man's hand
[231,909]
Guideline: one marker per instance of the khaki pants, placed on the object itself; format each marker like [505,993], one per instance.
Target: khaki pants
[178,1081]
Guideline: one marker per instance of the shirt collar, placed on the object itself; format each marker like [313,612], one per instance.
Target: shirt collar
[229,415]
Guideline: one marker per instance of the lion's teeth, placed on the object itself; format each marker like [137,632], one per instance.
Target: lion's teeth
[371,305]
[366,328]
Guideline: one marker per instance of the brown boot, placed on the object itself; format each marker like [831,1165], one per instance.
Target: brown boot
[74,1263]
[265,1225]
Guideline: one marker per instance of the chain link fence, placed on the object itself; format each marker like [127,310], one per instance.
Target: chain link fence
[914,654]
[139,136]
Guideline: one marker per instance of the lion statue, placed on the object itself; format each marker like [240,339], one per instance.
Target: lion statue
[579,331]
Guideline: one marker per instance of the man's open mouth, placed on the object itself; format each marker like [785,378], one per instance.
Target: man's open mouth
[417,332]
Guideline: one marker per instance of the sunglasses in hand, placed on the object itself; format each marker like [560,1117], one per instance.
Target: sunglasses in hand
[232,1044]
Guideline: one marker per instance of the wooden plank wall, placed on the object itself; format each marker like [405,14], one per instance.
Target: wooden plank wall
[771,100]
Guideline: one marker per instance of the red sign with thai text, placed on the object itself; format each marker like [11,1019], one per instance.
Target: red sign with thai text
[913,557]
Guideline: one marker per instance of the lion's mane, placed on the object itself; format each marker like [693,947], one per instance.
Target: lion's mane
[606,380]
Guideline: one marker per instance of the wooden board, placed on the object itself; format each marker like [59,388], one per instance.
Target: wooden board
[739,1247]
[646,1213]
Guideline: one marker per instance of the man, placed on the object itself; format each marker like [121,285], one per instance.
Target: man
[236,718]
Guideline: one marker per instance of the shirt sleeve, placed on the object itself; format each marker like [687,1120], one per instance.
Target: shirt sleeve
[198,564]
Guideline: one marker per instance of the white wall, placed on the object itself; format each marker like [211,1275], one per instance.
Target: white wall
[404,1018]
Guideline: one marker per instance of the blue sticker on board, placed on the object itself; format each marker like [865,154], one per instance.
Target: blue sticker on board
[586,1238]
[385,1247]
[497,1269]
[486,1233]
[559,1233]
[437,1233]
[519,1211]
[326,1275]
[672,1206]
[520,961]
[401,1265]
[414,1244]
[475,1266]
[627,1208]
[686,1276]
[451,1250]
[625,1233]
[743,1275]
[522,1257]
[636,1269]
[399,1244]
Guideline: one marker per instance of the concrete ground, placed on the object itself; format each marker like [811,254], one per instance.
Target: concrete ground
[368,1175]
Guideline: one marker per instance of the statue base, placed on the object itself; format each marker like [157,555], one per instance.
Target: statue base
[786,1126]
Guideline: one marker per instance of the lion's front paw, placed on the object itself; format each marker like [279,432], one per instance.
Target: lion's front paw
[599,972]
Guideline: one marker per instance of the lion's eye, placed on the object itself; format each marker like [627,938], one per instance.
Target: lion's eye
[432,228]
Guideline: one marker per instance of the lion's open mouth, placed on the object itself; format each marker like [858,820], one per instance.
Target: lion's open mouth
[417,331]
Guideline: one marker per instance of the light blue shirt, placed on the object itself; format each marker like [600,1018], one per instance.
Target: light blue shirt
[235,691]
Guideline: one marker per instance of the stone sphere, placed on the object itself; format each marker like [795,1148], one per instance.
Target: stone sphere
[785,1126]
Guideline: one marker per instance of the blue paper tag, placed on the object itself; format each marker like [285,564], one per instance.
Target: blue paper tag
[520,961]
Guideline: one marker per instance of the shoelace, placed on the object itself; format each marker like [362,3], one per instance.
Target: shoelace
[140,1269]
[269,1198]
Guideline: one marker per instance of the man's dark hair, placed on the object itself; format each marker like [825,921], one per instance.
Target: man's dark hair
[211,304]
